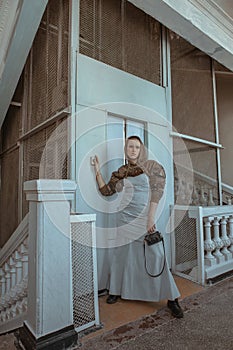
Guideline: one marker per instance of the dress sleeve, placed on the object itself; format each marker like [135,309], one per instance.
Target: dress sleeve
[157,179]
[115,183]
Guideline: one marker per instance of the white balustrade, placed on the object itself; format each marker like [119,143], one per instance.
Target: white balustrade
[222,243]
[208,242]
[13,278]
[230,221]
[218,230]
[213,241]
[225,239]
[217,241]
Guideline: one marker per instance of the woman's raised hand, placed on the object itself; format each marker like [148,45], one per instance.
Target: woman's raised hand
[96,164]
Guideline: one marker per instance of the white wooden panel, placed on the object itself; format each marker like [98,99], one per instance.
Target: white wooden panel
[105,93]
[100,84]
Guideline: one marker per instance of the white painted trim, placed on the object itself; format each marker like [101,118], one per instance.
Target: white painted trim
[218,72]
[12,324]
[216,270]
[196,139]
[85,326]
[199,25]
[47,122]
[227,188]
[19,46]
[219,173]
[74,49]
[15,104]
[216,210]
[82,218]
[95,274]
[216,13]
[8,18]
[200,247]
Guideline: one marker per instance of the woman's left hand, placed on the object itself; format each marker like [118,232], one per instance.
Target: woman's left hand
[151,227]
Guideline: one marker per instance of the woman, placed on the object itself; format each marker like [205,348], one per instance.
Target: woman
[143,184]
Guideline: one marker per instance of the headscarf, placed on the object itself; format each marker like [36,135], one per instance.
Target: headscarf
[142,158]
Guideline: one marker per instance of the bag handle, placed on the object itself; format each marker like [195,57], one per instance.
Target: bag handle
[164,260]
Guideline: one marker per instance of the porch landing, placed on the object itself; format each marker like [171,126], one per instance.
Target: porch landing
[127,311]
[119,314]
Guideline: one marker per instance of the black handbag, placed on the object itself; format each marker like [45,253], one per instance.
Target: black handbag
[151,239]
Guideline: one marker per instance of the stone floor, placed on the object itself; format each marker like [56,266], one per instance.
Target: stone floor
[125,311]
[113,317]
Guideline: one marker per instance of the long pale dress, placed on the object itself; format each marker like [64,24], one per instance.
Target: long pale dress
[128,276]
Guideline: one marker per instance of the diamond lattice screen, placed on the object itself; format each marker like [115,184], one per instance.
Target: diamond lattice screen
[186,254]
[9,195]
[42,91]
[192,90]
[119,34]
[49,69]
[46,154]
[83,274]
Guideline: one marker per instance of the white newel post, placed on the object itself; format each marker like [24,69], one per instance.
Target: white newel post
[50,315]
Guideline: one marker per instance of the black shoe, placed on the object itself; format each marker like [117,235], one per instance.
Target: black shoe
[111,299]
[175,308]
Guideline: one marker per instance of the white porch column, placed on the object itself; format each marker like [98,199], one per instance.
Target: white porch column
[50,314]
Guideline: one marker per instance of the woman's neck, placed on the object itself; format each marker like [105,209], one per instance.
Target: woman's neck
[132,162]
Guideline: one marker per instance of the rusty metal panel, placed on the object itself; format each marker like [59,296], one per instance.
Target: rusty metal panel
[9,195]
[49,70]
[122,36]
[193,105]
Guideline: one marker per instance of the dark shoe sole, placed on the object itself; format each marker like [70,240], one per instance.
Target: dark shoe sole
[112,299]
[175,309]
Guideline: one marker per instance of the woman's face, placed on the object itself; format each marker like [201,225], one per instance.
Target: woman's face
[133,150]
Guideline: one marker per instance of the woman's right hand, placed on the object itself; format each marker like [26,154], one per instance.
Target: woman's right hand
[96,164]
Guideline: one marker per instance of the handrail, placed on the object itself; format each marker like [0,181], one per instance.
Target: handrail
[15,240]
[211,181]
[215,210]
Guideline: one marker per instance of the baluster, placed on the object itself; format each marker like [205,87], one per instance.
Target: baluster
[13,290]
[19,267]
[217,241]
[195,196]
[3,316]
[181,192]
[211,200]
[13,311]
[2,282]
[7,277]
[203,200]
[225,239]
[8,313]
[188,192]
[24,253]
[230,221]
[3,289]
[24,304]
[229,201]
[12,271]
[7,297]
[209,245]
